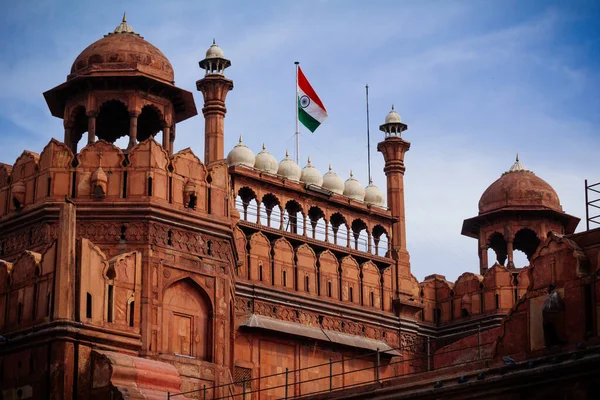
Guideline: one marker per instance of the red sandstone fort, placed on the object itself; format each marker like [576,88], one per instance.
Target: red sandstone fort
[141,273]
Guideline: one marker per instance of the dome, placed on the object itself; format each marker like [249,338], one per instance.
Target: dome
[392,117]
[289,169]
[331,181]
[373,195]
[122,52]
[240,155]
[265,161]
[214,51]
[519,188]
[310,175]
[353,189]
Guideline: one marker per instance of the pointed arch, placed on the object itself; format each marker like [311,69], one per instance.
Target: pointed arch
[187,318]
[260,258]
[283,263]
[350,276]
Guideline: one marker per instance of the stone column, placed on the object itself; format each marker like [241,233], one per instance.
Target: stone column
[167,138]
[483,259]
[303,225]
[69,138]
[509,253]
[172,139]
[133,120]
[92,126]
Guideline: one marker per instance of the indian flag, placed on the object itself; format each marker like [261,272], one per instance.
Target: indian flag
[311,111]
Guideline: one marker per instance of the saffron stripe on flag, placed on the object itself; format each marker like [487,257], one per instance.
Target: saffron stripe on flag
[308,90]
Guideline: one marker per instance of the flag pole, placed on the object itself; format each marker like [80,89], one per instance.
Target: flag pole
[368,136]
[297,125]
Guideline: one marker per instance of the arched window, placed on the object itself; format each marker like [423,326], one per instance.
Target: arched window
[525,243]
[497,243]
[306,284]
[112,121]
[339,229]
[317,223]
[295,219]
[361,238]
[149,123]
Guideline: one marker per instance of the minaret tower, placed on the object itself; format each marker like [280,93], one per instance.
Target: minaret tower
[393,148]
[214,86]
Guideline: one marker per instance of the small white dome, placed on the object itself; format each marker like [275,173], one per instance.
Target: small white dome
[310,175]
[240,155]
[353,189]
[214,51]
[288,168]
[266,162]
[373,195]
[392,117]
[331,181]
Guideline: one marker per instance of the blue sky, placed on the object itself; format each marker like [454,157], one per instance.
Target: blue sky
[476,82]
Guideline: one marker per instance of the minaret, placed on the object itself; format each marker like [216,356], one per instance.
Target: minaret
[393,148]
[214,86]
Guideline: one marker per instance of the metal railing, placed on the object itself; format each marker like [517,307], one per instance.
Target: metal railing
[292,389]
[280,219]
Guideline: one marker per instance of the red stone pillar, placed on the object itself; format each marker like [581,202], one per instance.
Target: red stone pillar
[214,88]
[483,259]
[133,121]
[167,138]
[509,253]
[91,126]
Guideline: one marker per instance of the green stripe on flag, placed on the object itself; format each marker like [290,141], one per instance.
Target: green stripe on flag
[309,122]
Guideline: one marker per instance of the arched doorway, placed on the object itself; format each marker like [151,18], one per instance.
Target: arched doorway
[187,320]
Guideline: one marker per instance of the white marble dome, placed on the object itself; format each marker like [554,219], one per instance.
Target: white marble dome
[373,195]
[353,188]
[241,155]
[214,51]
[266,162]
[331,181]
[289,169]
[310,175]
[392,117]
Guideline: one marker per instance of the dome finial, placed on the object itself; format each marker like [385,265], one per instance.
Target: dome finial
[351,174]
[392,107]
[330,168]
[517,166]
[264,147]
[240,139]
[124,27]
[214,42]
[370,180]
[287,153]
[309,159]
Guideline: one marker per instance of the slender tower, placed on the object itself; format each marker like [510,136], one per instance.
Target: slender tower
[393,148]
[214,86]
